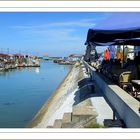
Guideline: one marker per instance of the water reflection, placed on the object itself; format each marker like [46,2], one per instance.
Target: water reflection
[37,70]
[24,91]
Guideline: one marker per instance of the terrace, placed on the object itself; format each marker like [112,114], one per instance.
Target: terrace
[119,68]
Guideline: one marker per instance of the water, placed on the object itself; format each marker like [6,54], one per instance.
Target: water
[23,91]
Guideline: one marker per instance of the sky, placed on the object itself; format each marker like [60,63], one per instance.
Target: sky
[55,33]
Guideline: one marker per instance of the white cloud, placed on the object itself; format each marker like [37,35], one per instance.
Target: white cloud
[80,23]
[52,34]
[60,34]
[58,31]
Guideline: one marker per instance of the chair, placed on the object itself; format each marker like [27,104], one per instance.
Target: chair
[124,81]
[125,77]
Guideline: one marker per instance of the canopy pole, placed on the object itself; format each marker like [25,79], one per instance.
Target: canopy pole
[123,57]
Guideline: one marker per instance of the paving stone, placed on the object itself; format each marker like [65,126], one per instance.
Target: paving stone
[67,117]
[68,125]
[50,126]
[86,102]
[84,119]
[57,123]
[85,110]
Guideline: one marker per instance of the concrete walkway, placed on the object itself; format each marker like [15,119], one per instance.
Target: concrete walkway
[100,104]
[65,106]
[102,107]
[67,96]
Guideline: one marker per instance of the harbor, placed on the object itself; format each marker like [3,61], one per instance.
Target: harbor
[80,77]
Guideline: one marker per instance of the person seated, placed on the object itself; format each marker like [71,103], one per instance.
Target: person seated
[137,64]
[98,65]
[105,66]
[128,63]
[119,55]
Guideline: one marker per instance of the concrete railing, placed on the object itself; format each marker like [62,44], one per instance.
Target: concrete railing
[125,105]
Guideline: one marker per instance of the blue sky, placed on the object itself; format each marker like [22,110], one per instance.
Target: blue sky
[55,33]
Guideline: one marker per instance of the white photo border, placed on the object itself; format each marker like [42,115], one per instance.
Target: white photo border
[69,6]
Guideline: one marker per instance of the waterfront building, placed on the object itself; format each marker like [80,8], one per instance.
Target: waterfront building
[4,56]
[46,57]
[75,57]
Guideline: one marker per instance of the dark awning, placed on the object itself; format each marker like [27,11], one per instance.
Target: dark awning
[104,36]
[133,42]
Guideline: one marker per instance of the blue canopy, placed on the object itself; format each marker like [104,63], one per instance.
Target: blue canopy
[124,25]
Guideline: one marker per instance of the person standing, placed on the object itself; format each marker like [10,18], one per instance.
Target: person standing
[137,64]
[106,54]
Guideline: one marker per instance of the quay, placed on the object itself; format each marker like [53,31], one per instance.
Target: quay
[124,105]
[116,70]
[48,112]
[84,99]
[75,104]
[11,61]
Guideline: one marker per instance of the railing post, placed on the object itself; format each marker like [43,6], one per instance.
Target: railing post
[114,112]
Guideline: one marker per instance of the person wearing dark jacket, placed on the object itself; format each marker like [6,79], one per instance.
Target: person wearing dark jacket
[137,64]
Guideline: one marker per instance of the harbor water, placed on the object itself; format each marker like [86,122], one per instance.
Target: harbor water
[23,91]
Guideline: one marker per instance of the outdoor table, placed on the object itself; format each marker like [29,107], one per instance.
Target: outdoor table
[136,84]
